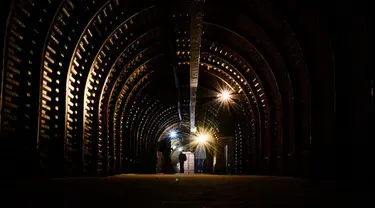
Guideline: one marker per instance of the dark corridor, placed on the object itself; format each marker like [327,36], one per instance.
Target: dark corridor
[90,88]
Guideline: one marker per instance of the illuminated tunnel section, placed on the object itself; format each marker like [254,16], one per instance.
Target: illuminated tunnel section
[105,79]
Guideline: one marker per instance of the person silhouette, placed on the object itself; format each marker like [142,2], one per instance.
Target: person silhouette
[200,154]
[182,159]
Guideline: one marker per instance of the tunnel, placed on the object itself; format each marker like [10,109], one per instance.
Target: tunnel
[90,87]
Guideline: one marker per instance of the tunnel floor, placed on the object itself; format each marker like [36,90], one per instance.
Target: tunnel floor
[176,191]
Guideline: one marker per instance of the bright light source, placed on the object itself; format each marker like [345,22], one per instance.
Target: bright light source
[173,134]
[224,95]
[202,138]
[180,149]
[174,147]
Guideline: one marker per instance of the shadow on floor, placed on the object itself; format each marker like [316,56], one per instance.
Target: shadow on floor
[176,191]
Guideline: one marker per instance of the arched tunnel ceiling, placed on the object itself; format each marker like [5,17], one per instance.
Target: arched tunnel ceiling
[123,67]
[105,78]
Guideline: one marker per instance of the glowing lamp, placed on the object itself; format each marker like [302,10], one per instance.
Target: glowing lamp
[225,95]
[202,138]
[173,134]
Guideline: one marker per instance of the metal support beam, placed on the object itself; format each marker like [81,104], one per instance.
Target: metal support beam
[196,28]
[168,28]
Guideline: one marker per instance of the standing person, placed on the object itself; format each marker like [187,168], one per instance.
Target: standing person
[200,153]
[182,158]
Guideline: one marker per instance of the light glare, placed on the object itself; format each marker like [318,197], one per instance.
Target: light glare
[225,95]
[202,138]
[173,134]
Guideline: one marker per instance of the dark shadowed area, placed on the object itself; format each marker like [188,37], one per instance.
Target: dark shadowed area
[185,191]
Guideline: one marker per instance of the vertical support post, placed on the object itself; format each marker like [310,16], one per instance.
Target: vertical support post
[196,28]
